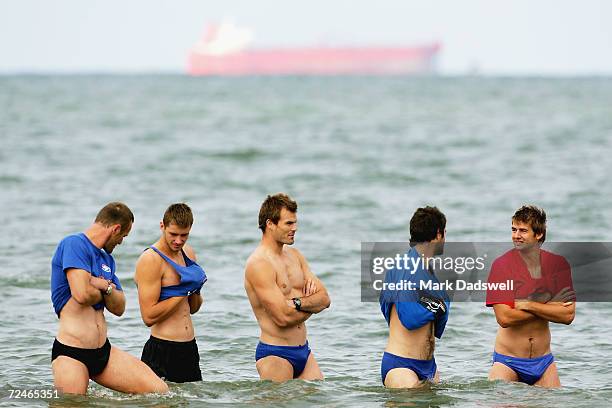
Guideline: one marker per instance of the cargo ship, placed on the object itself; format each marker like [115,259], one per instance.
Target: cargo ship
[225,50]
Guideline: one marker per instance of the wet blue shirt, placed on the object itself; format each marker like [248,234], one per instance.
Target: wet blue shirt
[417,307]
[78,252]
[192,277]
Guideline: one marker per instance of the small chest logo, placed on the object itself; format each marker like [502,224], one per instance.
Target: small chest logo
[106,268]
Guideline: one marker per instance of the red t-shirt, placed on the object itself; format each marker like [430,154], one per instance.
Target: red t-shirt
[555,270]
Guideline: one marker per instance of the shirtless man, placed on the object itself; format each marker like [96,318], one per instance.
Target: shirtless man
[415,317]
[169,282]
[543,293]
[283,293]
[83,284]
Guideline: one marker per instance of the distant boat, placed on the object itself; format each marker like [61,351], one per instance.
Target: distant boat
[224,51]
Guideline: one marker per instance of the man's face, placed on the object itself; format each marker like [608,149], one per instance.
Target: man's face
[116,237]
[284,230]
[175,236]
[523,236]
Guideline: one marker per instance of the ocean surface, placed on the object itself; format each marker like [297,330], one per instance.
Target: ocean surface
[359,154]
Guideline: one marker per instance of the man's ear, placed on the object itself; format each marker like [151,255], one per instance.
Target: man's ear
[269,223]
[116,229]
[539,236]
[161,225]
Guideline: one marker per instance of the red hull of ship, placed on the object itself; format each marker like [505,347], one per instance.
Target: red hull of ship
[317,61]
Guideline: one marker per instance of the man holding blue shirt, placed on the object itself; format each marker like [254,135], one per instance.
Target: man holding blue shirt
[169,282]
[415,316]
[83,284]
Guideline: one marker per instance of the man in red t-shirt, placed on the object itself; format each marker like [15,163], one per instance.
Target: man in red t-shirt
[541,292]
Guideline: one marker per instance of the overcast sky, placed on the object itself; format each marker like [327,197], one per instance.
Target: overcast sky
[559,37]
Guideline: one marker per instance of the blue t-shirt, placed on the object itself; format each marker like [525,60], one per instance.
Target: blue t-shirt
[417,307]
[78,252]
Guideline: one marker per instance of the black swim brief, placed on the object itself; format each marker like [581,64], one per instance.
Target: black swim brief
[94,359]
[176,361]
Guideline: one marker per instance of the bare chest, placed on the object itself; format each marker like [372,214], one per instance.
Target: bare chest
[169,275]
[535,270]
[289,275]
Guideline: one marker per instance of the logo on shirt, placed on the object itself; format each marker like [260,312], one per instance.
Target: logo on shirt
[436,306]
[106,268]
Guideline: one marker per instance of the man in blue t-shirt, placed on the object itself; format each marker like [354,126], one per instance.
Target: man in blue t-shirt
[83,284]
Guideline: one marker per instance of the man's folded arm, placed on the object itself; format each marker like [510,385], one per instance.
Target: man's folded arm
[81,290]
[262,278]
[148,277]
[555,312]
[115,302]
[508,317]
[319,300]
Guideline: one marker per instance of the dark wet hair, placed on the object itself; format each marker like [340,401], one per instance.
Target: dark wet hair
[115,213]
[272,206]
[180,214]
[425,224]
[535,217]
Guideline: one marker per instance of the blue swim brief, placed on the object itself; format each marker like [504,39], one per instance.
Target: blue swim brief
[295,355]
[529,370]
[424,369]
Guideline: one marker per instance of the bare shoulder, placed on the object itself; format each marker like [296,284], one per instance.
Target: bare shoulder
[292,251]
[148,257]
[295,253]
[257,267]
[148,264]
[189,251]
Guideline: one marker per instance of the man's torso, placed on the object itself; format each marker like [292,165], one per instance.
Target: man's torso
[418,344]
[80,325]
[532,281]
[289,277]
[178,326]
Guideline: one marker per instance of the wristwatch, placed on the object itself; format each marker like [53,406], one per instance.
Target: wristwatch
[297,302]
[109,289]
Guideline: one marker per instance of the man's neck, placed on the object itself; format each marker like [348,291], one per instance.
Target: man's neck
[272,245]
[531,254]
[425,249]
[97,234]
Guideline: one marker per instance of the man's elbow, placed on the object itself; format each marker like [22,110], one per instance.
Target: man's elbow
[503,322]
[82,298]
[148,320]
[119,310]
[569,318]
[280,320]
[195,304]
[327,302]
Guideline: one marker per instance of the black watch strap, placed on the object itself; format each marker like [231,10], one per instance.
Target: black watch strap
[297,302]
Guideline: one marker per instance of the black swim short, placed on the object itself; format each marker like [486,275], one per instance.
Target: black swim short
[176,361]
[94,359]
